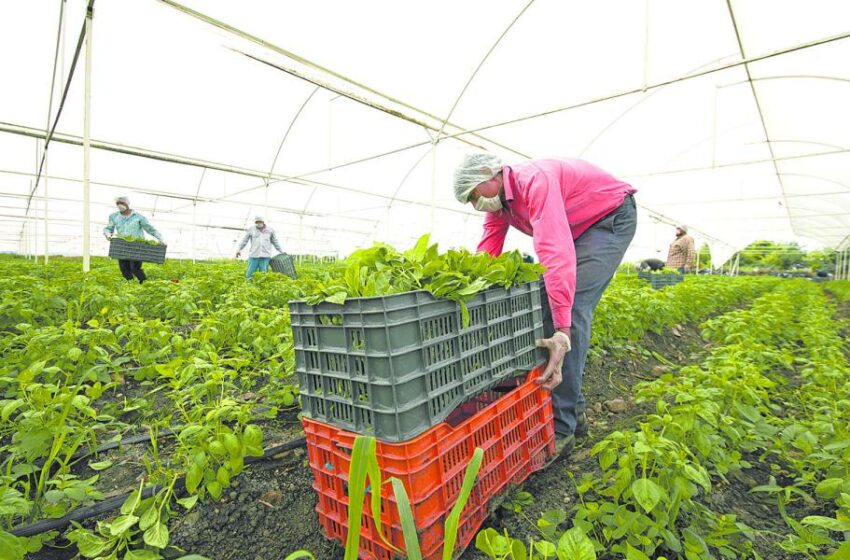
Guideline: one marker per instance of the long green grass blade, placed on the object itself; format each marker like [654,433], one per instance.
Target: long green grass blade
[298,554]
[452,521]
[356,491]
[408,526]
[374,472]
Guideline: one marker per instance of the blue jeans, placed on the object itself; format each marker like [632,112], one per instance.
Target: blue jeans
[255,264]
[599,251]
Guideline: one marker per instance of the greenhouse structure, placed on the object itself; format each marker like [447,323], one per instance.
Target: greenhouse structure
[373,385]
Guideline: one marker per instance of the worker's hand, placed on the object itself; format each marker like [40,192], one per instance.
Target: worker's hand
[238,253]
[558,345]
[108,236]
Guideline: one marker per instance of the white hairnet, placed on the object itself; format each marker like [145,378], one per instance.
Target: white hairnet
[259,219]
[123,199]
[475,169]
[683,228]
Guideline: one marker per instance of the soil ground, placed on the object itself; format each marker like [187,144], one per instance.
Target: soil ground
[269,511]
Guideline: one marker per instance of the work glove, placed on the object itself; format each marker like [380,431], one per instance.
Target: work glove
[558,345]
[108,236]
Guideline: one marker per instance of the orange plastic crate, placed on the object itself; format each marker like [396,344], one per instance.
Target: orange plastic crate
[514,429]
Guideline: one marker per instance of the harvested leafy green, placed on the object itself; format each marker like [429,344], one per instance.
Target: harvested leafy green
[133,239]
[456,275]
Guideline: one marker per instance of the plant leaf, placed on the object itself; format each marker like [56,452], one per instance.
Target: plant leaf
[408,526]
[647,493]
[453,520]
[157,535]
[575,545]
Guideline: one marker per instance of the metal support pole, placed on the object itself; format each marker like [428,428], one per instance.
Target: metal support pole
[433,186]
[46,206]
[194,227]
[87,146]
[714,129]
[35,232]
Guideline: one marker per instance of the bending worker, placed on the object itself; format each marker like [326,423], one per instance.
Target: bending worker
[262,239]
[129,223]
[581,220]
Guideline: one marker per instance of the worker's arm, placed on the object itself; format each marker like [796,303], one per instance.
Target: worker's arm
[692,255]
[109,229]
[275,243]
[553,242]
[243,242]
[495,229]
[146,226]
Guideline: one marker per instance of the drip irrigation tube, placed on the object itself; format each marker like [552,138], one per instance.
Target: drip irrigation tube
[112,504]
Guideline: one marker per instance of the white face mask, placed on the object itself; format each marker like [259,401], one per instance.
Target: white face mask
[491,204]
[122,207]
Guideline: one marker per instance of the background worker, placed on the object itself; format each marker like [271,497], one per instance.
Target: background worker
[262,238]
[682,253]
[651,264]
[129,223]
[581,220]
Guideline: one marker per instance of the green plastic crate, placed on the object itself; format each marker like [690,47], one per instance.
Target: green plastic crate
[394,366]
[124,250]
[658,281]
[282,264]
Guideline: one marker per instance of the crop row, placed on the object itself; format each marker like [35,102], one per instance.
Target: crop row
[88,359]
[774,389]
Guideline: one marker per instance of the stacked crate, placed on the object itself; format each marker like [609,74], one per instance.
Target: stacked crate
[405,369]
[661,280]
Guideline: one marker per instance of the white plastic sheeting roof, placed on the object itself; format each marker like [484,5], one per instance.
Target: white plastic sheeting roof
[730,117]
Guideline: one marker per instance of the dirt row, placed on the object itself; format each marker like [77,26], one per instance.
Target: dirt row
[270,513]
[269,510]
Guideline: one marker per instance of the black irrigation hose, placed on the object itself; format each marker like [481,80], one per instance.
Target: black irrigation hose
[112,504]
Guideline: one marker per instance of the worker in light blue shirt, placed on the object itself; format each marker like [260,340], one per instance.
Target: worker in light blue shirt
[129,223]
[262,239]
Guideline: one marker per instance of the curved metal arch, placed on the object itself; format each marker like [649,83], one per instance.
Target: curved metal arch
[810,176]
[436,140]
[790,77]
[477,68]
[645,98]
[824,144]
[288,130]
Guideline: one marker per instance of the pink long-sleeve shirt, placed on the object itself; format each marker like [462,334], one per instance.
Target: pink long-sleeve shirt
[554,201]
